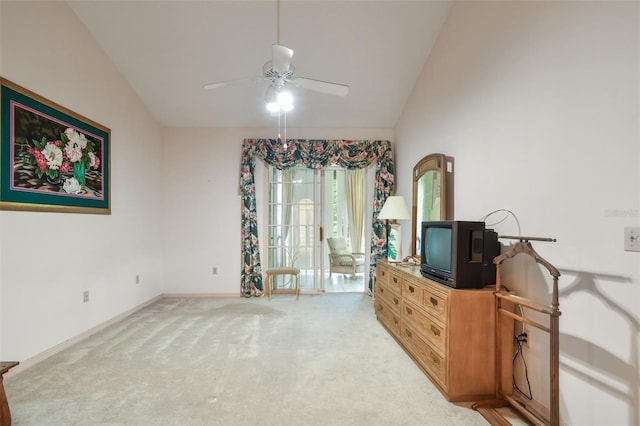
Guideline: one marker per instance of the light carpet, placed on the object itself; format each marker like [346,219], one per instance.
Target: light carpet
[322,360]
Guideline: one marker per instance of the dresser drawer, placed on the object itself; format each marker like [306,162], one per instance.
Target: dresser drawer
[388,316]
[424,324]
[434,301]
[391,299]
[412,290]
[395,282]
[382,275]
[430,359]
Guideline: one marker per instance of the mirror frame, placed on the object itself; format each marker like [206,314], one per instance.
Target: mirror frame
[432,162]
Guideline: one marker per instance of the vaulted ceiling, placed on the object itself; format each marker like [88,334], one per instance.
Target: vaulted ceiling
[168,50]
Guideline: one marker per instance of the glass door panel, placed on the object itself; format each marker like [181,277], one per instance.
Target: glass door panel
[293,225]
[336,224]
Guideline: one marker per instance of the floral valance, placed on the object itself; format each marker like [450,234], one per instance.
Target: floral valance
[313,154]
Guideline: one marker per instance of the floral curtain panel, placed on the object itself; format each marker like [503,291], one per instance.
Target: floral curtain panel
[313,154]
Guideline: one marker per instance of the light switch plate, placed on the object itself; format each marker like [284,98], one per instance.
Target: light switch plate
[631,238]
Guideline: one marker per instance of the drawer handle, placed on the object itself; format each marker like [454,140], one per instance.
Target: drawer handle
[380,307]
[408,309]
[433,301]
[395,280]
[407,332]
[383,273]
[411,289]
[395,320]
[381,290]
[435,359]
[435,331]
[396,301]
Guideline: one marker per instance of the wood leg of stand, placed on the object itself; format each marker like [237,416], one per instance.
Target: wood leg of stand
[5,413]
[489,410]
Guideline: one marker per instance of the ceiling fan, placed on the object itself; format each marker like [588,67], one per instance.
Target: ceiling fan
[279,72]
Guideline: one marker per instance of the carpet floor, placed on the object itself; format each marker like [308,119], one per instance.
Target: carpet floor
[322,360]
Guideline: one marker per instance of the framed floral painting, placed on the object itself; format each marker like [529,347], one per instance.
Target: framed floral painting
[51,159]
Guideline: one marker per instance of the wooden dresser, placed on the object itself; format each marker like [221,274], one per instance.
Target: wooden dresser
[449,333]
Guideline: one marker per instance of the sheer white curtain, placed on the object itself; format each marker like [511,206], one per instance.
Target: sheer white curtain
[355,197]
[287,210]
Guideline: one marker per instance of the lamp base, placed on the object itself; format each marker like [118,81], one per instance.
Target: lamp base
[394,245]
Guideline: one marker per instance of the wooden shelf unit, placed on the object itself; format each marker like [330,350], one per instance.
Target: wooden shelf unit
[449,333]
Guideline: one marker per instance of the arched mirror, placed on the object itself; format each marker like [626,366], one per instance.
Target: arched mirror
[432,194]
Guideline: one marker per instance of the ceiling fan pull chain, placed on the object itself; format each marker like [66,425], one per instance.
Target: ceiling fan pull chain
[279,134]
[285,130]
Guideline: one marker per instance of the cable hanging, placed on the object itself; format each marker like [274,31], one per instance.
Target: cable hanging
[508,213]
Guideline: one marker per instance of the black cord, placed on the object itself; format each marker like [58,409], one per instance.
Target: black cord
[519,341]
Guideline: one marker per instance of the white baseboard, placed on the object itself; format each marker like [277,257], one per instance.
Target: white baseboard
[200,295]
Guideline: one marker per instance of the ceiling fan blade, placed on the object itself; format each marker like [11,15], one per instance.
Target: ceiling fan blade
[322,86]
[281,58]
[233,82]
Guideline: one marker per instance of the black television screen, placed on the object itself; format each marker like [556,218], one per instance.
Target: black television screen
[437,248]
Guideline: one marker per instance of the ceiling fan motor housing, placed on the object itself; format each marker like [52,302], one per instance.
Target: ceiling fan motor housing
[278,79]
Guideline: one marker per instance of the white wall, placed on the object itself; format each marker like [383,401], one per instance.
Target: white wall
[539,104]
[202,204]
[47,260]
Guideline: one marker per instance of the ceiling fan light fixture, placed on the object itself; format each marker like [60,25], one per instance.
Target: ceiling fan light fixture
[273,107]
[278,100]
[271,99]
[285,97]
[285,100]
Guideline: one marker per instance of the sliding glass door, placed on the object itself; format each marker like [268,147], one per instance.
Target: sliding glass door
[305,207]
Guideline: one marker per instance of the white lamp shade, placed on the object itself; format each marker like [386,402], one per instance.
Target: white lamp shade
[394,208]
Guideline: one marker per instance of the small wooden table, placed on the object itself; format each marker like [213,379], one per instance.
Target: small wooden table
[283,271]
[5,413]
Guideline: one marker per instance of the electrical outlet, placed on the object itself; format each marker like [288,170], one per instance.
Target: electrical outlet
[215,270]
[85,296]
[137,279]
[631,238]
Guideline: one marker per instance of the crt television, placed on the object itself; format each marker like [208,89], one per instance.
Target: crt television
[458,254]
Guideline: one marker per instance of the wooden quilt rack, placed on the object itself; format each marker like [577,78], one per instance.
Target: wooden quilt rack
[489,409]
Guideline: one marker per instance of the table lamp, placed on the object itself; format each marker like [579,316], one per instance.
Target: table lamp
[394,209]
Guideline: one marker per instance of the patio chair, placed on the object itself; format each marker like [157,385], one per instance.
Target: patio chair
[342,260]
